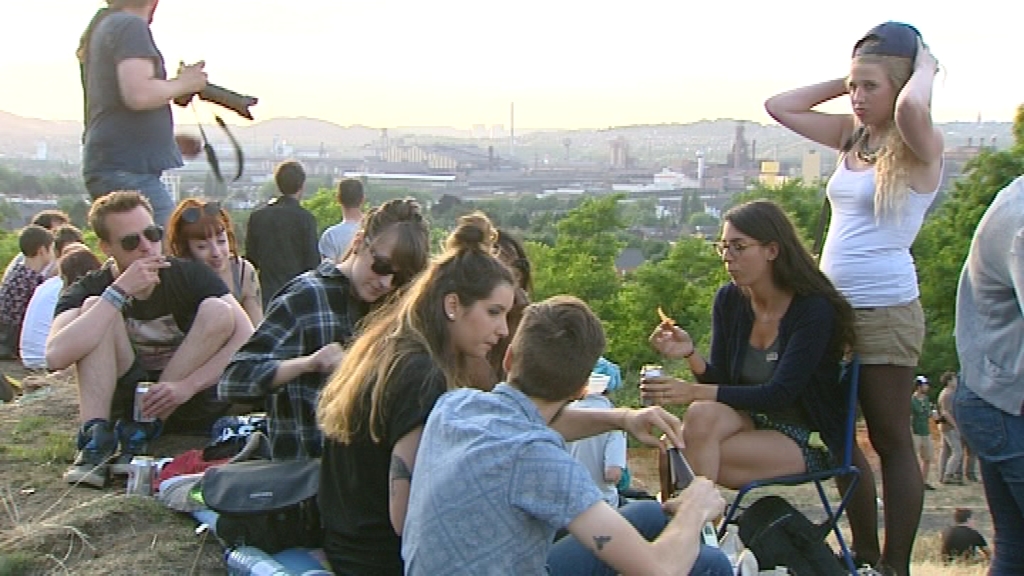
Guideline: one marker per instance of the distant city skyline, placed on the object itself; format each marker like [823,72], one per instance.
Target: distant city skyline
[566,64]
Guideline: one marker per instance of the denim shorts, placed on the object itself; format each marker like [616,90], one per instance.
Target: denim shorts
[102,183]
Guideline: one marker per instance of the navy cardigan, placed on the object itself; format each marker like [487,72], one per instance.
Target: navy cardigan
[808,370]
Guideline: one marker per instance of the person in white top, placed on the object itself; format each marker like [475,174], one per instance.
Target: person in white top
[889,171]
[76,261]
[603,455]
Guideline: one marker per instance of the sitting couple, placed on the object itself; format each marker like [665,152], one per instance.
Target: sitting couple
[424,474]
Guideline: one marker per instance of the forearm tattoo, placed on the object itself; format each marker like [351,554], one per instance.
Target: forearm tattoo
[600,541]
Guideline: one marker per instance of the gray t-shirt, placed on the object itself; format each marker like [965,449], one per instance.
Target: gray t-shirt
[116,137]
[335,240]
[492,484]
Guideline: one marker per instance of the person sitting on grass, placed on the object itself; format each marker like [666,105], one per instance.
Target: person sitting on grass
[142,317]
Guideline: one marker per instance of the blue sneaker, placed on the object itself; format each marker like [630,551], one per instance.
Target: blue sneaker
[134,438]
[96,446]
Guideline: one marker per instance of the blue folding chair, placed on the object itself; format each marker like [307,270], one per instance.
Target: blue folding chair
[850,377]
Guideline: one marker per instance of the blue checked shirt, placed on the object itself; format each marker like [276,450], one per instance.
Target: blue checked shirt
[311,311]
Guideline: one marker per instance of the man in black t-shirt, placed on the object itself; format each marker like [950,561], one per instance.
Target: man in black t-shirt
[961,541]
[141,318]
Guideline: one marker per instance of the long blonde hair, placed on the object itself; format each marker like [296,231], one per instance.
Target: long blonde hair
[892,166]
[352,402]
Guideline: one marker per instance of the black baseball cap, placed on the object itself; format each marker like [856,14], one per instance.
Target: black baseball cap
[889,39]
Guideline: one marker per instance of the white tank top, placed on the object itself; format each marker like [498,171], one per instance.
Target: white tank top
[869,261]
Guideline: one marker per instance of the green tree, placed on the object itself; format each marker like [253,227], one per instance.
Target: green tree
[800,201]
[702,219]
[683,284]
[942,245]
[582,260]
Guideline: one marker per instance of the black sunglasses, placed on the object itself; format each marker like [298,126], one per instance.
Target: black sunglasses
[152,233]
[192,214]
[382,266]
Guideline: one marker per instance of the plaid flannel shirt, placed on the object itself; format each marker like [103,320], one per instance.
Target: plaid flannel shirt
[311,311]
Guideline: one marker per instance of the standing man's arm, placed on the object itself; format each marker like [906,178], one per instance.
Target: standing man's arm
[142,90]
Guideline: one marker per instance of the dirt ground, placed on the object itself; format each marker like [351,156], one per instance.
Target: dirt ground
[47,527]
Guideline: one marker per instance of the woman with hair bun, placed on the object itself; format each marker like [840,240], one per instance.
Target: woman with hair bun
[375,405]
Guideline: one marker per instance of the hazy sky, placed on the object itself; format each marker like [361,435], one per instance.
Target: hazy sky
[565,63]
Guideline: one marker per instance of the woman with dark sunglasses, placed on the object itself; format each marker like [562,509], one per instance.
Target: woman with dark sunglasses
[203,231]
[314,316]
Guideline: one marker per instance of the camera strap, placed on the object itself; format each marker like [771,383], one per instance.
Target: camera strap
[211,154]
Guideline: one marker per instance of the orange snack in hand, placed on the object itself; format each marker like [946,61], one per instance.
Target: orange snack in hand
[664,318]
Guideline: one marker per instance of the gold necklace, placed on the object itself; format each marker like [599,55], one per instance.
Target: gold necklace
[868,156]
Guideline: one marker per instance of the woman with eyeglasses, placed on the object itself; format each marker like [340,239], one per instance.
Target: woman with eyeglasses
[887,177]
[767,401]
[313,318]
[203,232]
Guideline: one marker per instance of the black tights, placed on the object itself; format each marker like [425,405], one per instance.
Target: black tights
[885,401]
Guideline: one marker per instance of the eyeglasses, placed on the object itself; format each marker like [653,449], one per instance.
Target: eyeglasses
[192,214]
[734,247]
[152,233]
[382,266]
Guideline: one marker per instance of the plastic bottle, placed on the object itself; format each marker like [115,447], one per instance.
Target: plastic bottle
[747,564]
[731,545]
[250,561]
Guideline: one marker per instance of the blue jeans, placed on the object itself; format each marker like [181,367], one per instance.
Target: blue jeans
[568,557]
[998,440]
[103,183]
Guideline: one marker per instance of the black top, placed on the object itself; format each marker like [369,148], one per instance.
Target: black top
[959,542]
[281,242]
[806,376]
[359,538]
[157,326]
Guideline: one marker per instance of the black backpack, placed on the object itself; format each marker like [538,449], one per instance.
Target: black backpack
[267,504]
[779,535]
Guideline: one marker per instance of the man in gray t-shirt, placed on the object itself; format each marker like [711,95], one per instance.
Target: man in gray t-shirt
[336,239]
[129,139]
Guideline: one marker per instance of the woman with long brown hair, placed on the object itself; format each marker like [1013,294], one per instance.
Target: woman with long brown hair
[374,406]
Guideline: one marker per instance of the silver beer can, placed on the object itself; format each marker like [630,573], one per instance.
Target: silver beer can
[140,390]
[649,371]
[140,475]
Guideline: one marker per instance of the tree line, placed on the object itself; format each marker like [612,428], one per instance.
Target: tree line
[573,244]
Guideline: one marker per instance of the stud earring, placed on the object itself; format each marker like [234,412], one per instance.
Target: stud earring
[451,316]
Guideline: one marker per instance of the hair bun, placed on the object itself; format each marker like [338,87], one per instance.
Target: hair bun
[473,232]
